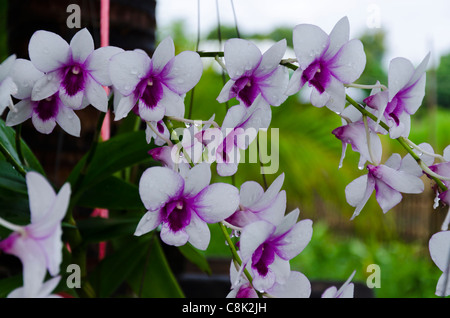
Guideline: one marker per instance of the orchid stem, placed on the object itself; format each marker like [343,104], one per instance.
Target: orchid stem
[168,141]
[236,257]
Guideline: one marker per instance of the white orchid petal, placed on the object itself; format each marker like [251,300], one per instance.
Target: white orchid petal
[126,69]
[217,202]
[69,121]
[48,51]
[98,63]
[158,185]
[183,72]
[164,52]
[241,57]
[310,42]
[81,45]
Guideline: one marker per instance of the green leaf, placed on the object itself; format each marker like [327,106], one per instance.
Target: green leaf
[7,285]
[94,230]
[141,262]
[112,193]
[153,277]
[113,270]
[121,151]
[14,205]
[195,257]
[8,143]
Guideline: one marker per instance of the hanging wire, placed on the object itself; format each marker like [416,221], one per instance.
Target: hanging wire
[219,36]
[197,44]
[235,19]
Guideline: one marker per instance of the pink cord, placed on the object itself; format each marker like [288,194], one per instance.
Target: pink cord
[105,130]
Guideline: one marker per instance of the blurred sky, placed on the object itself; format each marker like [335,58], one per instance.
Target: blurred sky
[414,27]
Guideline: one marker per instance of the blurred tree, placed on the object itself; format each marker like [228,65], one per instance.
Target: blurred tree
[443,81]
[229,32]
[375,48]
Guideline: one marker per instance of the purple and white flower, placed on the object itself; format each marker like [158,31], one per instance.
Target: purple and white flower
[266,249]
[7,85]
[157,130]
[257,204]
[38,245]
[252,73]
[439,246]
[156,84]
[406,89]
[326,63]
[239,128]
[296,286]
[45,113]
[359,134]
[396,176]
[184,204]
[346,290]
[42,290]
[76,71]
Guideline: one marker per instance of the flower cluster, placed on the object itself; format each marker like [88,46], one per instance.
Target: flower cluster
[38,245]
[179,198]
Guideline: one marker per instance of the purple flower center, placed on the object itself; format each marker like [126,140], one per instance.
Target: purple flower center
[150,91]
[317,75]
[262,258]
[73,79]
[246,89]
[47,108]
[394,109]
[177,214]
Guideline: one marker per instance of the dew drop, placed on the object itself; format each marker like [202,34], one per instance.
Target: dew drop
[360,167]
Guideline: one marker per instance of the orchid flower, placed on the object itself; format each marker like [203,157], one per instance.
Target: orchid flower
[44,290]
[443,169]
[326,63]
[45,113]
[75,71]
[296,286]
[239,128]
[184,204]
[257,204]
[266,248]
[7,85]
[157,131]
[396,176]
[38,245]
[346,290]
[439,246]
[252,73]
[359,134]
[156,84]
[406,89]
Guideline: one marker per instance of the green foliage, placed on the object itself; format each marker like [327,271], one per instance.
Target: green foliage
[443,81]
[406,270]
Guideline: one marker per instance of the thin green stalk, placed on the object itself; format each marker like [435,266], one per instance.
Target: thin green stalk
[236,257]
